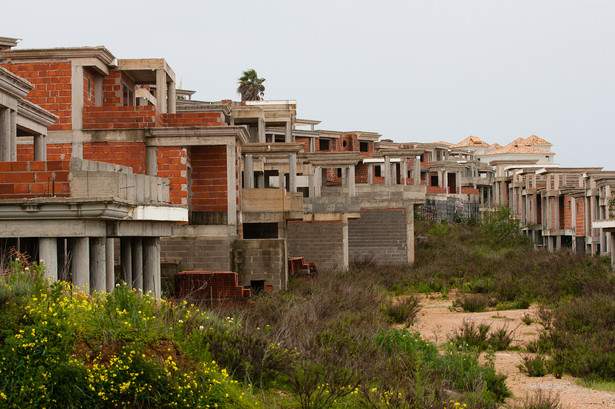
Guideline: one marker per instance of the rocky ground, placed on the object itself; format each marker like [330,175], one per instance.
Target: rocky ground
[437,322]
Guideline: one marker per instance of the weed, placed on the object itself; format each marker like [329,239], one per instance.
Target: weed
[540,400]
[472,302]
[534,366]
[527,319]
[404,310]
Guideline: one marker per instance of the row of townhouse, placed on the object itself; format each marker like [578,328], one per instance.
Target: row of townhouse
[108,170]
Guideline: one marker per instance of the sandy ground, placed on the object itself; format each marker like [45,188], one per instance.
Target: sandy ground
[437,322]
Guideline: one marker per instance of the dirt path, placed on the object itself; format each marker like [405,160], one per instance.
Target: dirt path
[436,322]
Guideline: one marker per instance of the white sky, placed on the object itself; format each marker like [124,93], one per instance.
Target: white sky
[411,70]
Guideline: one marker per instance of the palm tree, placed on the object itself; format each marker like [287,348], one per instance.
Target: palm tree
[250,86]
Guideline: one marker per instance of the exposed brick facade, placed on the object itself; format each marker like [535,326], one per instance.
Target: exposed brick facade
[26,180]
[131,154]
[209,179]
[172,164]
[52,88]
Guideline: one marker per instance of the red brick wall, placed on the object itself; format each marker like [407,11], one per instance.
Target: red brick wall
[21,180]
[172,164]
[121,117]
[89,98]
[469,190]
[209,183]
[580,223]
[568,212]
[131,154]
[59,151]
[194,119]
[52,88]
[112,89]
[305,142]
[435,189]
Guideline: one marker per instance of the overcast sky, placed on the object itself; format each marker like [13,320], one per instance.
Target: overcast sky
[411,70]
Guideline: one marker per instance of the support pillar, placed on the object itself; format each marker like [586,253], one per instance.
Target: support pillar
[40,148]
[445,180]
[172,98]
[312,146]
[350,180]
[288,132]
[417,171]
[370,174]
[98,265]
[261,130]
[5,135]
[260,180]
[126,260]
[151,265]
[345,260]
[110,264]
[151,161]
[80,262]
[231,183]
[613,249]
[248,172]
[48,255]
[403,172]
[137,263]
[410,233]
[161,91]
[77,110]
[387,171]
[317,181]
[458,182]
[292,172]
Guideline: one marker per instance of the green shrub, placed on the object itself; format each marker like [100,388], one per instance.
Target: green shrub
[404,310]
[540,400]
[472,302]
[535,366]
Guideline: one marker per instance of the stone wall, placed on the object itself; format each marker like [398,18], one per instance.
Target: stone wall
[319,242]
[381,234]
[260,259]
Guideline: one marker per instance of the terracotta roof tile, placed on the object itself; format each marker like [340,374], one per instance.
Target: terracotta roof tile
[471,141]
[534,140]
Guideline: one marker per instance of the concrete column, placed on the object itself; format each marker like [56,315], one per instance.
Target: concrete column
[317,181]
[288,132]
[416,174]
[612,250]
[126,260]
[48,254]
[261,130]
[110,264]
[311,187]
[151,161]
[40,147]
[98,265]
[312,145]
[292,172]
[172,98]
[393,174]
[13,134]
[80,262]
[248,172]
[151,265]
[231,183]
[260,180]
[137,263]
[370,173]
[404,172]
[351,182]
[161,91]
[410,233]
[387,171]
[77,110]
[5,134]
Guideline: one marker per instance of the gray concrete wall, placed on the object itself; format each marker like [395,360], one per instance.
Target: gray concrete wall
[197,253]
[381,234]
[260,259]
[320,242]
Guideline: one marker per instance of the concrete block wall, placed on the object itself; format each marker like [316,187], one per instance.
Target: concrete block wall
[198,253]
[381,234]
[319,242]
[52,88]
[25,180]
[260,259]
